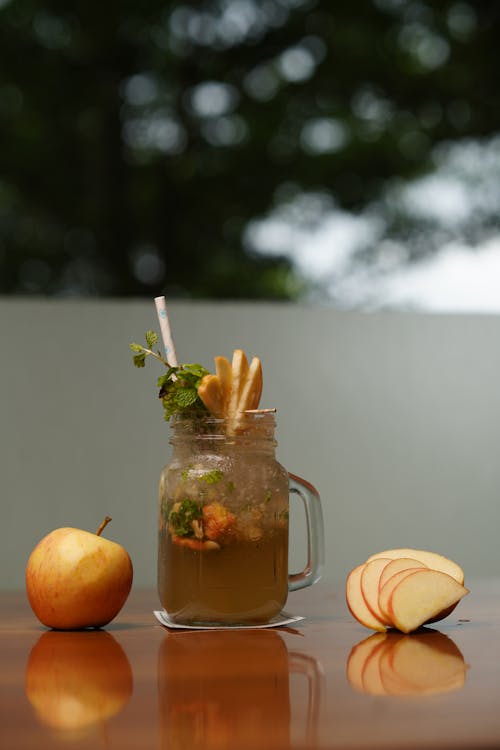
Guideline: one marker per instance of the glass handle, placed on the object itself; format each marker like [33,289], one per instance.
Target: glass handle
[312,670]
[315,534]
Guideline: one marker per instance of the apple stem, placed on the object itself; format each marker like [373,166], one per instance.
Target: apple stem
[103,525]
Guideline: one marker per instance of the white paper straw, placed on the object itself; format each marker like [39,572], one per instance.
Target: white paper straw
[166,333]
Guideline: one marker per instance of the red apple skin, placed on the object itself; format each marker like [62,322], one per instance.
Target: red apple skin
[356,603]
[76,579]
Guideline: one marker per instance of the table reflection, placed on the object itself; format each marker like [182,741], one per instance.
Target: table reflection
[77,680]
[219,689]
[423,663]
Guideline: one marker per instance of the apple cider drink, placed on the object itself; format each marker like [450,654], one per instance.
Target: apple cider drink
[223,499]
[223,523]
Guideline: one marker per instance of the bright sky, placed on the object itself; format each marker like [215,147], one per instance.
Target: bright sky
[457,280]
[463,191]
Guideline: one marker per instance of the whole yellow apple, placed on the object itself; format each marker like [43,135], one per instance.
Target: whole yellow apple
[76,680]
[76,579]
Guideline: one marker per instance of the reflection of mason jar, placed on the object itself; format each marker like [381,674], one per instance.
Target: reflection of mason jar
[223,523]
[218,689]
[225,690]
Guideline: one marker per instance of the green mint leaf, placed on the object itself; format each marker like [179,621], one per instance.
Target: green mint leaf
[136,347]
[162,381]
[193,369]
[185,396]
[178,386]
[151,339]
[140,359]
[211,477]
[180,520]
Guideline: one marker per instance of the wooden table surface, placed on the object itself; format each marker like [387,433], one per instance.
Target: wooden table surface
[326,683]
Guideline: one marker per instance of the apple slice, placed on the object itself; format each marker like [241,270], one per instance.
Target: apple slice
[356,601]
[370,578]
[224,372]
[385,592]
[394,566]
[421,596]
[252,387]
[212,395]
[430,559]
[239,375]
[235,388]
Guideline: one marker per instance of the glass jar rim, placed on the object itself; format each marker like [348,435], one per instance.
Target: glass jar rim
[258,425]
[250,416]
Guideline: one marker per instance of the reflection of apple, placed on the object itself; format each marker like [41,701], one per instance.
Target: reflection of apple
[395,664]
[378,596]
[75,579]
[75,680]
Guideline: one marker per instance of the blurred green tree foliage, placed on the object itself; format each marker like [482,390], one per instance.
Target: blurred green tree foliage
[138,140]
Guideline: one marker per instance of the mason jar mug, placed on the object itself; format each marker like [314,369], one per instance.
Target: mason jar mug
[223,524]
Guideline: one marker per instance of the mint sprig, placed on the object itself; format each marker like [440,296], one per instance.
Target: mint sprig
[181,519]
[179,386]
[141,352]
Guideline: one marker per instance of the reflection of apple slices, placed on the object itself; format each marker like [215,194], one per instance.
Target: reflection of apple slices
[356,602]
[358,657]
[392,682]
[424,663]
[374,682]
[370,577]
[430,559]
[394,566]
[370,675]
[385,592]
[422,595]
[364,663]
[428,662]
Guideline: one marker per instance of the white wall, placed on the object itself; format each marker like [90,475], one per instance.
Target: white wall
[395,418]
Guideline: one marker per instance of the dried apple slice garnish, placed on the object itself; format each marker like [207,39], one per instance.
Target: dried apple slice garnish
[235,388]
[240,372]
[212,395]
[252,387]
[224,372]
